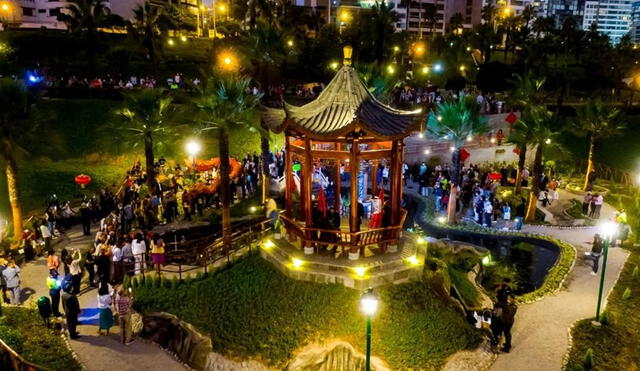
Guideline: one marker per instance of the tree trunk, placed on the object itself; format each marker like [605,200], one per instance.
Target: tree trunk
[455,182]
[223,143]
[266,157]
[149,162]
[535,185]
[592,144]
[12,187]
[522,158]
[91,50]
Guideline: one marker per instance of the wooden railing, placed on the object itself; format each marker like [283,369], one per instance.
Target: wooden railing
[356,240]
[9,358]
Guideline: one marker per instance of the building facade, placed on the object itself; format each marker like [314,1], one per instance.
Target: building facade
[611,17]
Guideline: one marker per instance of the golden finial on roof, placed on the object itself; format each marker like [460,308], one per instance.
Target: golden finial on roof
[347,50]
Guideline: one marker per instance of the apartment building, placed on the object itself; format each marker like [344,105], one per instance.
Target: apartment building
[611,17]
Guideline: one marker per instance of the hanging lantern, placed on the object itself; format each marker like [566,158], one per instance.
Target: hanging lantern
[495,176]
[82,180]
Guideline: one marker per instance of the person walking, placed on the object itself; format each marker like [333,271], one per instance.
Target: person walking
[105,296]
[509,310]
[596,252]
[157,253]
[123,308]
[53,284]
[71,307]
[85,217]
[11,275]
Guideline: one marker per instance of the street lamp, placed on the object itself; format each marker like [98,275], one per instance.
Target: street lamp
[368,306]
[608,230]
[227,61]
[193,148]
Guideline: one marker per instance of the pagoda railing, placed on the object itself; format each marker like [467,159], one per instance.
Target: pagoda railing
[315,237]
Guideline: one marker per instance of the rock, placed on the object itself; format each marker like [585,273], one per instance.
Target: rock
[334,356]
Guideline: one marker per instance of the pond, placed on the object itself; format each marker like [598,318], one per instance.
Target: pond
[531,258]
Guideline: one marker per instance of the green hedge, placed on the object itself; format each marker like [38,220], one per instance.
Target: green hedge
[24,331]
[554,278]
[251,310]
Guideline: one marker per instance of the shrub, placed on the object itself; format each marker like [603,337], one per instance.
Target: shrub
[126,281]
[588,360]
[626,294]
[635,273]
[134,282]
[174,283]
[604,318]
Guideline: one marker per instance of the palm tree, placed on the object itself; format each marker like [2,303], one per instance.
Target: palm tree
[407,5]
[225,103]
[85,17]
[456,121]
[146,113]
[14,102]
[382,22]
[597,119]
[527,94]
[431,16]
[456,22]
[149,21]
[266,49]
[539,125]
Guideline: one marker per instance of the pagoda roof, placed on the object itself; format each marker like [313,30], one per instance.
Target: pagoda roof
[344,106]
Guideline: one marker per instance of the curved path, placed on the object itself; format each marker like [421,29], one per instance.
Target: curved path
[96,353]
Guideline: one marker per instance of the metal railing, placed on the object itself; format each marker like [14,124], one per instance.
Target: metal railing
[9,357]
[187,257]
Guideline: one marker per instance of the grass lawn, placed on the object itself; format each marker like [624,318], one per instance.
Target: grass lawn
[616,346]
[23,330]
[250,309]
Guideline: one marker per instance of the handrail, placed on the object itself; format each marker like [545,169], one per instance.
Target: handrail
[19,363]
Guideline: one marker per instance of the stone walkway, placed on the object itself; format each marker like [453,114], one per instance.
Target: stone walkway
[97,353]
[540,333]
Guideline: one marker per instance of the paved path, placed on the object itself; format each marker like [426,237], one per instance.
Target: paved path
[97,353]
[540,334]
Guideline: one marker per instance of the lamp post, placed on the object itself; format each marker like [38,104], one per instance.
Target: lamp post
[193,148]
[369,306]
[608,229]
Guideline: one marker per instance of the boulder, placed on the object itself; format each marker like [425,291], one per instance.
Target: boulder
[333,356]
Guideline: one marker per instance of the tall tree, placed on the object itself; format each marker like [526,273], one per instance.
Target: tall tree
[86,17]
[540,125]
[14,103]
[224,103]
[456,121]
[382,25]
[526,94]
[149,22]
[456,23]
[597,119]
[146,115]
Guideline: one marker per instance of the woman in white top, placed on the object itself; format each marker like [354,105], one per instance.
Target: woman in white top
[139,249]
[105,298]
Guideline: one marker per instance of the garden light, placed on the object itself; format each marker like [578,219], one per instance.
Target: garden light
[462,68]
[427,151]
[468,48]
[170,42]
[441,219]
[486,260]
[469,138]
[437,67]
[452,148]
[368,306]
[420,240]
[268,244]
[297,263]
[193,148]
[360,271]
[391,69]
[5,7]
[253,209]
[439,118]
[290,43]
[413,260]
[183,39]
[396,48]
[547,141]
[333,65]
[493,140]
[608,229]
[222,8]
[227,61]
[425,70]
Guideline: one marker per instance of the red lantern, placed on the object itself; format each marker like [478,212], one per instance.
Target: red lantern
[82,180]
[495,176]
[516,151]
[464,155]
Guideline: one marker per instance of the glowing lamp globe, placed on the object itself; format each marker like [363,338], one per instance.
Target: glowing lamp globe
[369,303]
